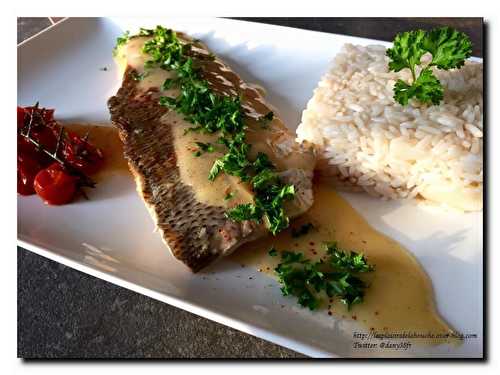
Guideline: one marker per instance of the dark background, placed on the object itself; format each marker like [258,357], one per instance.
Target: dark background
[63,313]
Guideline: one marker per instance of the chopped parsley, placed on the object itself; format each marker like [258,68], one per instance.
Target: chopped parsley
[120,41]
[139,76]
[212,113]
[303,230]
[273,252]
[229,195]
[265,120]
[449,49]
[203,147]
[337,277]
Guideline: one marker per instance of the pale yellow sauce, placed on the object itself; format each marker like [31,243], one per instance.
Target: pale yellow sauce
[107,140]
[194,170]
[273,138]
[400,296]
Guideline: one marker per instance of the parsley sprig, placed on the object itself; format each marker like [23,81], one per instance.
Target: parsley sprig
[212,113]
[449,49]
[337,276]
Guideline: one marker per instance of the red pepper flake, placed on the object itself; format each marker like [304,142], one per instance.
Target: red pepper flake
[311,243]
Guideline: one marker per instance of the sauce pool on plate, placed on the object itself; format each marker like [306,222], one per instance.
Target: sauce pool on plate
[106,138]
[400,296]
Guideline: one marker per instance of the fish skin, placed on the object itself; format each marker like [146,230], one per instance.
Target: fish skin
[197,234]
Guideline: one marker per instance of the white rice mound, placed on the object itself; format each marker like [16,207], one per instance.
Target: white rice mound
[369,142]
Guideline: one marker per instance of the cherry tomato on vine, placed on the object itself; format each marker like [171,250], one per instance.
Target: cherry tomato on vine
[81,155]
[27,168]
[54,185]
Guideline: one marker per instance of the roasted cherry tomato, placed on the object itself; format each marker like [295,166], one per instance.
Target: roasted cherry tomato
[20,117]
[45,136]
[25,146]
[54,185]
[23,114]
[82,155]
[27,168]
[28,148]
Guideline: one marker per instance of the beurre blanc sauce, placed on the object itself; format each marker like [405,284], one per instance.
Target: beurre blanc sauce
[104,137]
[400,296]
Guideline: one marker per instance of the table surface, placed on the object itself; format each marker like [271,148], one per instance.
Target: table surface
[63,313]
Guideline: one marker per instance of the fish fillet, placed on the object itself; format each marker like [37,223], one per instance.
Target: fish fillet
[188,209]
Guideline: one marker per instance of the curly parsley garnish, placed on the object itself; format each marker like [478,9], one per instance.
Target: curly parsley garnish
[337,276]
[449,49]
[211,113]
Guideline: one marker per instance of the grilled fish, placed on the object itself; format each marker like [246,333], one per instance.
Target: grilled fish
[172,179]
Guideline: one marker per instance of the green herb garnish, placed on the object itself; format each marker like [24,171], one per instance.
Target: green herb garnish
[145,32]
[229,195]
[265,120]
[120,41]
[449,49]
[337,276]
[273,252]
[139,76]
[211,113]
[303,230]
[203,147]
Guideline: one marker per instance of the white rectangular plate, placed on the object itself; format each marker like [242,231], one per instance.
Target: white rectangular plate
[111,236]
